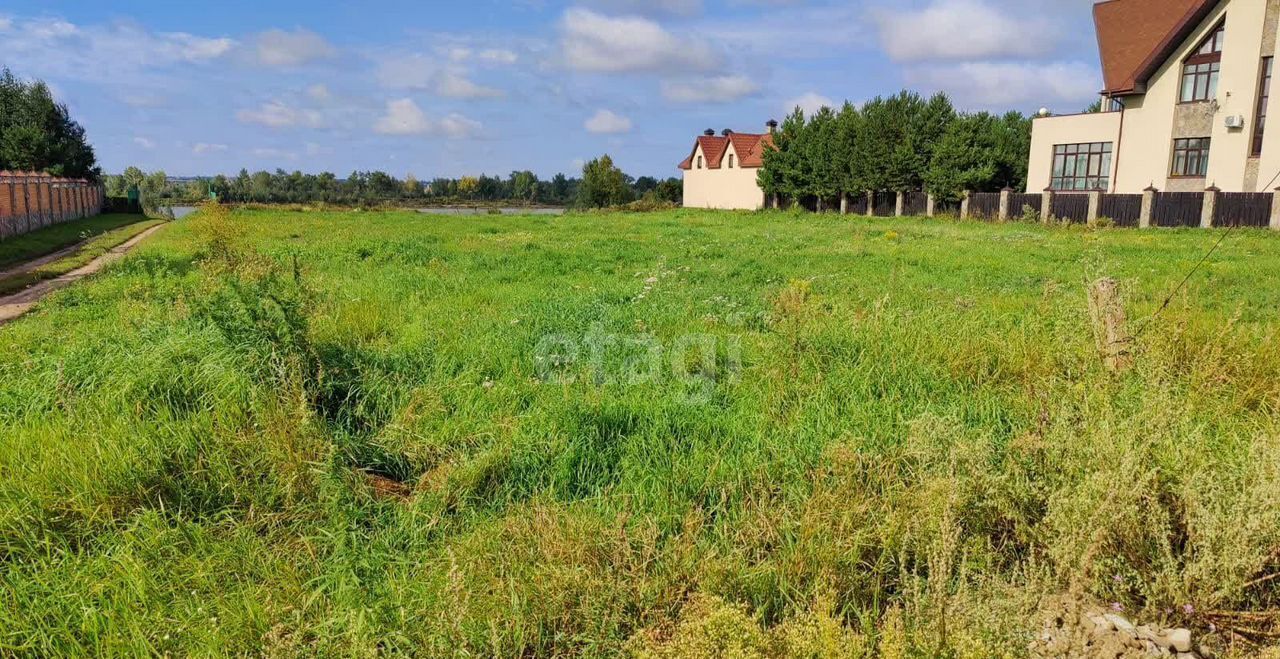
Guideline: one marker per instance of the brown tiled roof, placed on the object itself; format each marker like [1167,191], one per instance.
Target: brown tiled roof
[749,147]
[1135,37]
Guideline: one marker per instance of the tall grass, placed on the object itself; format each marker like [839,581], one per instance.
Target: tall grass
[904,443]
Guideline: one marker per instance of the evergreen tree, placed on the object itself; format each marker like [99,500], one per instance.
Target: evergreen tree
[37,133]
[848,177]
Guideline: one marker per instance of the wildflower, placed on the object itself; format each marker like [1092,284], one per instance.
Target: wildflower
[1117,607]
[1188,609]
[488,384]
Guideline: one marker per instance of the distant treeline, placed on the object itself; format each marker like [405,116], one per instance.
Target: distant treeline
[37,133]
[901,143]
[604,185]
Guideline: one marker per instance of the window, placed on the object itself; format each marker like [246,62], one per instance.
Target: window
[1264,95]
[1081,166]
[699,162]
[1115,104]
[1200,71]
[1190,157]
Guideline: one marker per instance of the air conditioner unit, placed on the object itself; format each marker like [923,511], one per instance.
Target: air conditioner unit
[1235,121]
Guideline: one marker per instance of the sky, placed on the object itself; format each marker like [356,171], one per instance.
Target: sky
[464,88]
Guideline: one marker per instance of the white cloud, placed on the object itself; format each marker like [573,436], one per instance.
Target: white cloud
[404,117]
[681,7]
[5,23]
[280,49]
[455,85]
[497,56]
[456,126]
[278,115]
[593,42]
[809,103]
[51,47]
[144,143]
[422,73]
[607,122]
[960,29]
[720,89]
[1002,84]
[319,92]
[202,148]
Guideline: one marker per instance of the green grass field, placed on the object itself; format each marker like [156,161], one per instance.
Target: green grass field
[303,434]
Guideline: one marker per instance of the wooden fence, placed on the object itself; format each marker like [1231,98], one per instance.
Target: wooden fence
[31,201]
[1246,209]
[1152,208]
[985,205]
[1177,209]
[1124,210]
[1071,208]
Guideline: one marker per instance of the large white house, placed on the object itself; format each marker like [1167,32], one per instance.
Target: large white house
[721,170]
[1187,84]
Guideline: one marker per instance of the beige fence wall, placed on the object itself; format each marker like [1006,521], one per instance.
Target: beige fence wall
[31,201]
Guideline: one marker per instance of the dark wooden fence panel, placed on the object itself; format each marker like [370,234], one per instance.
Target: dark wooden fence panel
[1071,207]
[1243,209]
[915,204]
[1177,209]
[946,208]
[1019,201]
[1125,210]
[886,204]
[985,205]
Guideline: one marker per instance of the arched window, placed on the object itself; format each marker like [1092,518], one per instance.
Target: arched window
[1200,71]
[730,161]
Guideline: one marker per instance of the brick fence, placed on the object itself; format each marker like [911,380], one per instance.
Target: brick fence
[1152,208]
[31,201]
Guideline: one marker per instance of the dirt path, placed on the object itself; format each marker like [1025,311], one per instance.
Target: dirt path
[28,266]
[14,306]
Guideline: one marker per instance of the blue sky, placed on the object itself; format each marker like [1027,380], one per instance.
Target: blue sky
[454,88]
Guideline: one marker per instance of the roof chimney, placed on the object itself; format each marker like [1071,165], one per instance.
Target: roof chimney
[772,125]
[710,132]
[726,132]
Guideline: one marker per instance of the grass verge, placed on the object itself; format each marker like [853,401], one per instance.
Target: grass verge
[30,246]
[95,247]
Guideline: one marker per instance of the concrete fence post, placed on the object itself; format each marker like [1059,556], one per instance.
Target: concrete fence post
[871,203]
[844,203]
[1095,206]
[930,205]
[1004,203]
[1275,210]
[27,213]
[46,197]
[1148,207]
[964,206]
[1210,207]
[7,214]
[1046,206]
[900,205]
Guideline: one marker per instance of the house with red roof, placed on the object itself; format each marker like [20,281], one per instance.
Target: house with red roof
[1185,95]
[721,170]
